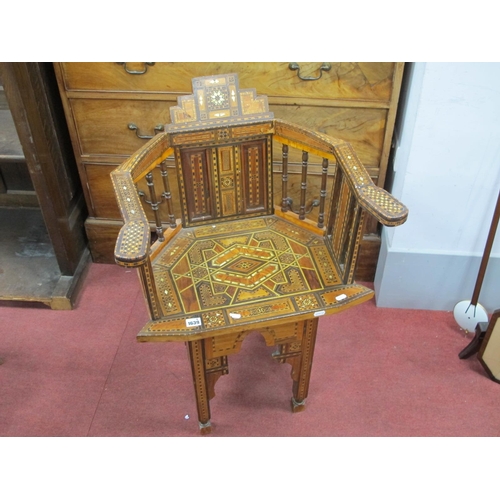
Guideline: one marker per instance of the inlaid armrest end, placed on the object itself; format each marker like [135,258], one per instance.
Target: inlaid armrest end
[382,205]
[133,243]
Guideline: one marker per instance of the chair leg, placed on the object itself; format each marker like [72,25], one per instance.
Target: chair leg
[298,353]
[196,352]
[302,374]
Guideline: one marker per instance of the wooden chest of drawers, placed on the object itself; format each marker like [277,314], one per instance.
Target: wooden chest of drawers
[113,108]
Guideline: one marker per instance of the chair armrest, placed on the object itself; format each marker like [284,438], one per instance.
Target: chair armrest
[375,200]
[134,240]
[382,205]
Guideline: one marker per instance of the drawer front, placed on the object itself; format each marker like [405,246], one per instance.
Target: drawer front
[103,125]
[363,128]
[370,81]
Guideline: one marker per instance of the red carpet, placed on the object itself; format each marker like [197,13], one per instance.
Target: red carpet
[377,372]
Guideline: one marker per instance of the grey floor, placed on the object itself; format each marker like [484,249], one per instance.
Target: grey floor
[28,266]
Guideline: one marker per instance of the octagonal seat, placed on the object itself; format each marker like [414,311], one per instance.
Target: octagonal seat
[219,278]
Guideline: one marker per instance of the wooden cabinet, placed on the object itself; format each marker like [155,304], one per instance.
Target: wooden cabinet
[113,108]
[43,251]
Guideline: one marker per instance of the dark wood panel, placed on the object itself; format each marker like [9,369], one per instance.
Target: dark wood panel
[254,170]
[102,236]
[53,172]
[198,190]
[368,257]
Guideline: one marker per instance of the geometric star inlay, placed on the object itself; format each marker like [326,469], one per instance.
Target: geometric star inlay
[244,266]
[239,263]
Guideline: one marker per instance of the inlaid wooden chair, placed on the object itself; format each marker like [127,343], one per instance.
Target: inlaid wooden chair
[235,254]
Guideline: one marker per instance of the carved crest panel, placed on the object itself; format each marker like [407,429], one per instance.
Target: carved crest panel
[216,99]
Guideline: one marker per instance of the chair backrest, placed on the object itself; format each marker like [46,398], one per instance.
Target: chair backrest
[223,172]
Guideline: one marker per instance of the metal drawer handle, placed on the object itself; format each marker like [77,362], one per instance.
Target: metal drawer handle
[133,126]
[135,72]
[323,67]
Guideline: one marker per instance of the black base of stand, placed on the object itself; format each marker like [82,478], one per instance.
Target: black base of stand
[476,342]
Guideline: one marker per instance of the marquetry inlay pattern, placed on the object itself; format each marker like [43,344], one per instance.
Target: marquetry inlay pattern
[216,99]
[131,242]
[229,228]
[385,201]
[225,181]
[213,319]
[306,302]
[168,298]
[128,201]
[253,176]
[352,165]
[387,207]
[245,270]
[146,276]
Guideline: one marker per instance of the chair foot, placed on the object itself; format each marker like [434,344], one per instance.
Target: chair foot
[298,406]
[205,428]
